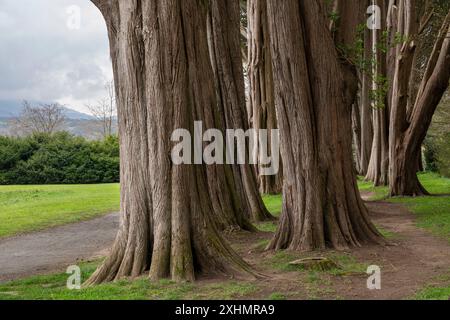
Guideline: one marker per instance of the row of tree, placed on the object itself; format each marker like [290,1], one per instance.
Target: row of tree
[402,73]
[302,76]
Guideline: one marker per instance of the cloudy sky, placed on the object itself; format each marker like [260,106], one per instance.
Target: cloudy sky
[45,55]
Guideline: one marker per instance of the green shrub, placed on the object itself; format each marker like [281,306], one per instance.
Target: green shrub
[443,154]
[58,159]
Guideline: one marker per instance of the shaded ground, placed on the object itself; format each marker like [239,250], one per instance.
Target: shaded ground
[57,248]
[414,259]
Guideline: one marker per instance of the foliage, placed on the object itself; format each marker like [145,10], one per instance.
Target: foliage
[437,143]
[443,154]
[58,159]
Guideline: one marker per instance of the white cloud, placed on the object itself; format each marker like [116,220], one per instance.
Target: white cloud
[42,59]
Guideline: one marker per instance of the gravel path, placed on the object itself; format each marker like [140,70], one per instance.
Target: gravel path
[57,248]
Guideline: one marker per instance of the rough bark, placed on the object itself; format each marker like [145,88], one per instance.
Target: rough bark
[378,169]
[345,32]
[366,106]
[162,75]
[407,133]
[356,127]
[226,60]
[261,98]
[321,203]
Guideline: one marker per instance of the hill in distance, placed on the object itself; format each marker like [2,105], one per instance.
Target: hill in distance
[13,108]
[77,123]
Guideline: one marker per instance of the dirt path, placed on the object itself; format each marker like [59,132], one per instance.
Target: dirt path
[413,260]
[55,249]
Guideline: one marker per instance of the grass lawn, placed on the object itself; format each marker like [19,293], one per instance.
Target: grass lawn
[31,208]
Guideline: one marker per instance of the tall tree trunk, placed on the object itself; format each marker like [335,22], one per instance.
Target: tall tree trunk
[321,203]
[162,74]
[378,169]
[356,126]
[345,31]
[407,133]
[366,105]
[261,98]
[225,52]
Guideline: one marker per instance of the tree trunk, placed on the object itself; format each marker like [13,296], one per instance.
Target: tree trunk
[321,203]
[224,45]
[162,74]
[408,133]
[366,106]
[261,97]
[345,31]
[356,126]
[378,169]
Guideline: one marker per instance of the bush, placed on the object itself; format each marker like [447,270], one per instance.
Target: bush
[443,154]
[60,158]
[429,155]
[437,154]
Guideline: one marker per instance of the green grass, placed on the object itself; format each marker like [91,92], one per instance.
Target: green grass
[433,212]
[273,204]
[53,287]
[378,193]
[31,208]
[270,226]
[277,296]
[434,291]
[386,233]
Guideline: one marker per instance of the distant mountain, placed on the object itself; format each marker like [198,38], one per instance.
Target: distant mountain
[75,115]
[13,108]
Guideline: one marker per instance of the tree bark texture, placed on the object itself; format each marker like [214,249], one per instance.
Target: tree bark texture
[322,206]
[351,15]
[378,169]
[408,128]
[366,105]
[163,82]
[261,98]
[226,59]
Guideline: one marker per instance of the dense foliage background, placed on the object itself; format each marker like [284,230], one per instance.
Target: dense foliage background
[60,158]
[437,144]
